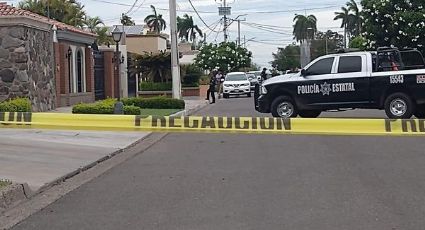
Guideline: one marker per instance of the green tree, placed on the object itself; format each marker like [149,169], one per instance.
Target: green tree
[356,20]
[70,12]
[93,23]
[103,37]
[346,21]
[226,56]
[394,22]
[286,58]
[305,27]
[153,67]
[358,42]
[155,21]
[187,29]
[325,43]
[126,20]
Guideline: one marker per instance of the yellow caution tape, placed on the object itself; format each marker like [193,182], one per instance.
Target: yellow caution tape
[253,125]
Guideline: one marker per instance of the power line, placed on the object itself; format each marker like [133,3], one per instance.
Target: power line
[138,8]
[216,24]
[199,16]
[132,7]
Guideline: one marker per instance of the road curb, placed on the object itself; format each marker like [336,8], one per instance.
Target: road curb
[14,194]
[188,112]
[86,167]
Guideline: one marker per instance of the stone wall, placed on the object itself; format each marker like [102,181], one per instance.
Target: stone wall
[27,66]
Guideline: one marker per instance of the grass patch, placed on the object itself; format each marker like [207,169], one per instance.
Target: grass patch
[4,183]
[158,112]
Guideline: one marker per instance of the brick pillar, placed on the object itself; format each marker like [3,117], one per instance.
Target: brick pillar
[89,71]
[117,76]
[109,74]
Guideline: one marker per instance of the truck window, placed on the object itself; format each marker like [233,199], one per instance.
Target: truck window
[351,64]
[412,59]
[323,66]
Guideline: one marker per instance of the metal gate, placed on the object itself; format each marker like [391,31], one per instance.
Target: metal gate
[99,75]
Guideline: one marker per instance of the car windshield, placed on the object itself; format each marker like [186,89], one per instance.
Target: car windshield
[236,77]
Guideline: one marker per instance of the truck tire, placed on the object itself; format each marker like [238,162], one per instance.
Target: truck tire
[399,106]
[284,107]
[420,111]
[309,113]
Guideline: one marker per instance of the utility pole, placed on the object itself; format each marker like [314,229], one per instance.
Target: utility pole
[239,29]
[175,68]
[225,23]
[224,11]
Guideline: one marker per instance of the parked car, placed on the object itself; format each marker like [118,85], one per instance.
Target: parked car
[388,79]
[236,83]
[253,79]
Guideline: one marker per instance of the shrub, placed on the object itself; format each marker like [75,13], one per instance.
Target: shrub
[192,75]
[205,80]
[151,86]
[16,105]
[100,107]
[131,110]
[155,103]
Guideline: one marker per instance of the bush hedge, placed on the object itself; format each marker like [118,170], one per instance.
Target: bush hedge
[16,105]
[151,86]
[132,106]
[103,107]
[154,103]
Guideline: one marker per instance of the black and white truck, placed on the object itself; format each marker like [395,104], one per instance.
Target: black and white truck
[389,79]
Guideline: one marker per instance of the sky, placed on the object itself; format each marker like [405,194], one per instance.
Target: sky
[276,14]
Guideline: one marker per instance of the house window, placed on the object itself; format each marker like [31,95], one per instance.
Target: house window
[80,75]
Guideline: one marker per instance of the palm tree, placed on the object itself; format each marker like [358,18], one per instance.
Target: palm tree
[355,19]
[155,21]
[93,23]
[70,12]
[305,27]
[126,20]
[344,15]
[103,38]
[187,29]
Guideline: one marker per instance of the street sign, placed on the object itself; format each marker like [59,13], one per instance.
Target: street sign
[224,11]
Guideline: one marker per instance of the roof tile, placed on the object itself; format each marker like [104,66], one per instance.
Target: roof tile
[7,10]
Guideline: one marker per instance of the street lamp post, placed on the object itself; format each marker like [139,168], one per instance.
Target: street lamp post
[116,36]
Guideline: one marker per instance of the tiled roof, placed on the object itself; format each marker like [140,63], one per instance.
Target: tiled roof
[7,10]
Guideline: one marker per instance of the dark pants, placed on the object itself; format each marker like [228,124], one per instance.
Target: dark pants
[212,93]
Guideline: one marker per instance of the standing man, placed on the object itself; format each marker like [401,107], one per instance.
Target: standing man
[211,90]
[264,74]
[219,79]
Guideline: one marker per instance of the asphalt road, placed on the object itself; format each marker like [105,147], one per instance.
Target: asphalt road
[227,181]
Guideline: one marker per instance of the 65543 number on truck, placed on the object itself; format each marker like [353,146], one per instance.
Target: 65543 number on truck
[389,79]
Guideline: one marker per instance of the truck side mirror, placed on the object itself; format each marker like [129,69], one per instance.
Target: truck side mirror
[303,72]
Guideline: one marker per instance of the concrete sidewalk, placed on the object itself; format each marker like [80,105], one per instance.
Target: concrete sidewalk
[40,157]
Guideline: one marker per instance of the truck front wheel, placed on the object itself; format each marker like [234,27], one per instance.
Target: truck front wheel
[399,106]
[284,107]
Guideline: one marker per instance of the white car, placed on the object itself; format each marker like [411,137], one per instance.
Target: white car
[236,84]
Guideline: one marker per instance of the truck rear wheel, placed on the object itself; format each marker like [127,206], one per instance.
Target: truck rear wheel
[284,107]
[399,106]
[310,113]
[420,112]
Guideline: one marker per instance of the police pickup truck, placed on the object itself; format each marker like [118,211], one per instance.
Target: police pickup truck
[389,79]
